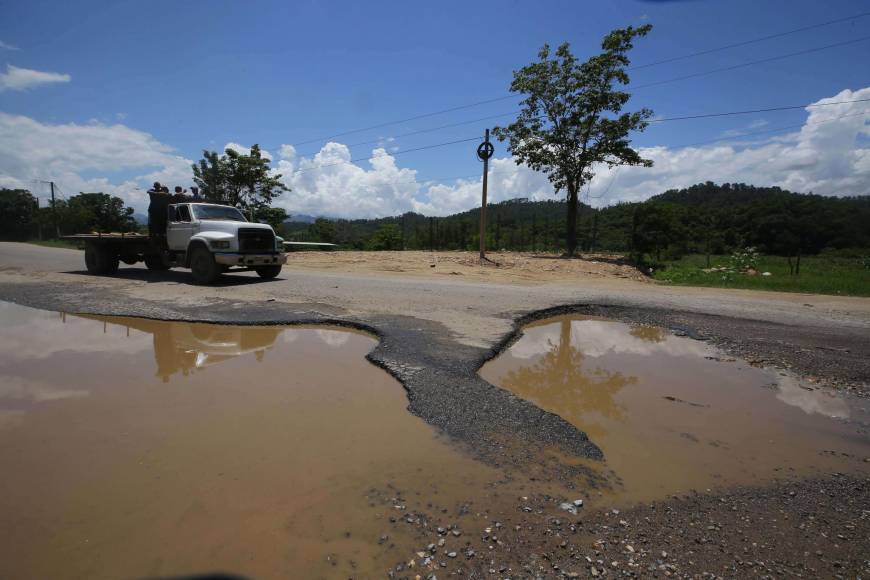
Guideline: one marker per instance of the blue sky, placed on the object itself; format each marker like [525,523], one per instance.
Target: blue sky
[202,74]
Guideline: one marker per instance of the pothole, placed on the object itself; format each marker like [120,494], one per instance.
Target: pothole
[138,448]
[673,414]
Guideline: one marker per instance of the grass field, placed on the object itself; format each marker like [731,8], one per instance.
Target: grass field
[819,275]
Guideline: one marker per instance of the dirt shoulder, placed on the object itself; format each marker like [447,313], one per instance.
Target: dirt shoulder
[502,267]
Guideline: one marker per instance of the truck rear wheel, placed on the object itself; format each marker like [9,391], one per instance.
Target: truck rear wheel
[155,262]
[100,260]
[205,270]
[268,272]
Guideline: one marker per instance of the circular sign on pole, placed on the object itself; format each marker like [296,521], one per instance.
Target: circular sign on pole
[485,150]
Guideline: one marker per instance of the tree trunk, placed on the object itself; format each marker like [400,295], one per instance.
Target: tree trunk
[797,267]
[571,230]
[790,266]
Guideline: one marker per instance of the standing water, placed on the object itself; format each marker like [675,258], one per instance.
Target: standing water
[136,448]
[673,414]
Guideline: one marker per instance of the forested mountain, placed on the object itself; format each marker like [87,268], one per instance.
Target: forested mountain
[703,218]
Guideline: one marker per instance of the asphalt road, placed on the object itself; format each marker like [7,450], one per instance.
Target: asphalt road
[476,313]
[436,333]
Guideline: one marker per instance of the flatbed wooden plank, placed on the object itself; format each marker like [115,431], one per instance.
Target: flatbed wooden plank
[112,236]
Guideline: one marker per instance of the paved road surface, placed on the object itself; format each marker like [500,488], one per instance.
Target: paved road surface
[476,313]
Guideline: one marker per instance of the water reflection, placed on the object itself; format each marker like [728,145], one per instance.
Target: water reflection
[671,413]
[184,348]
[258,457]
[597,338]
[561,377]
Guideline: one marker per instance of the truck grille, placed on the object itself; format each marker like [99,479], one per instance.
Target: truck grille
[256,240]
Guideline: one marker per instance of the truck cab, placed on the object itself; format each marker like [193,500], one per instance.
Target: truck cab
[210,239]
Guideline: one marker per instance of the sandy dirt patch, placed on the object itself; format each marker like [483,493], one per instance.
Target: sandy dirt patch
[505,267]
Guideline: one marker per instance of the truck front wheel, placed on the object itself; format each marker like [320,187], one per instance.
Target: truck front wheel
[268,272]
[205,269]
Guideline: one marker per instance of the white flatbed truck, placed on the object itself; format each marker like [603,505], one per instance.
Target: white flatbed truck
[210,239]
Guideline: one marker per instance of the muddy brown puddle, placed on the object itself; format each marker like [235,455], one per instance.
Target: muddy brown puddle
[134,448]
[673,414]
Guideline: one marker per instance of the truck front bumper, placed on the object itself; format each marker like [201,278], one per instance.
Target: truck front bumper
[231,259]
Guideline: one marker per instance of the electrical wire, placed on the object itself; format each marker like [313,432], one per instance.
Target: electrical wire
[646,65]
[750,63]
[748,42]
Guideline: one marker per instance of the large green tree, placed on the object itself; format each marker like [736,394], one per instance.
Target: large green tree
[95,211]
[571,119]
[245,181]
[17,209]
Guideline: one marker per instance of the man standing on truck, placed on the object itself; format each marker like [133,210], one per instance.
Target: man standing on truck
[157,210]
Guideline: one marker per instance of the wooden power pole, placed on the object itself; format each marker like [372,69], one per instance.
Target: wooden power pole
[484,152]
[54,212]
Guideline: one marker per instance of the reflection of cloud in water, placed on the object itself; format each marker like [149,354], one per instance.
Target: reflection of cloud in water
[819,401]
[30,333]
[289,335]
[596,338]
[333,338]
[9,419]
[20,389]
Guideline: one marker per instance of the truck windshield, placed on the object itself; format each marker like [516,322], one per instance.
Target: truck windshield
[218,212]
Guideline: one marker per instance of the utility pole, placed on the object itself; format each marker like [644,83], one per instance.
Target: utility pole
[484,152]
[38,221]
[54,212]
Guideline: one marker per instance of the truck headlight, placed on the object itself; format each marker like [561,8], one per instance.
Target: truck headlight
[220,244]
[279,243]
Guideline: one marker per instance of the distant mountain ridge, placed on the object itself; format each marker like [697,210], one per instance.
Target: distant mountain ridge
[725,216]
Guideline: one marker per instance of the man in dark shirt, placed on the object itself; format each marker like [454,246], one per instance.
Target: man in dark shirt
[157,209]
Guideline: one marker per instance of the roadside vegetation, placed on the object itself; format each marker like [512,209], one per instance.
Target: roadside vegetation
[837,273]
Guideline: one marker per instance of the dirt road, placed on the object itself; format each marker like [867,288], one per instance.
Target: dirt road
[437,329]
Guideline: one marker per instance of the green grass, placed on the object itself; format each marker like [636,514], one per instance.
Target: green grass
[56,244]
[819,275]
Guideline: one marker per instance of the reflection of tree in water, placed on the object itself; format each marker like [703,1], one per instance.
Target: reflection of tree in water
[648,333]
[559,382]
[186,347]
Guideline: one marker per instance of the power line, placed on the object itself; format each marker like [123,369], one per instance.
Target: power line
[748,42]
[414,118]
[682,118]
[752,111]
[385,154]
[775,130]
[432,129]
[751,63]
[680,146]
[672,59]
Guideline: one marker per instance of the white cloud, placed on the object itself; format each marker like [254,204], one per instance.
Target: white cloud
[7,46]
[22,79]
[79,157]
[327,184]
[829,155]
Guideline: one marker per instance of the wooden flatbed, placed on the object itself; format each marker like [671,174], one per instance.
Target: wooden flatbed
[113,237]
